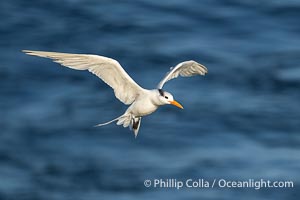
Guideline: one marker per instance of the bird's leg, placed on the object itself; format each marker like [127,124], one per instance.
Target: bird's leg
[135,124]
[132,123]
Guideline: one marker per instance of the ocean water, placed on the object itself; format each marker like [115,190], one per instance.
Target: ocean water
[240,122]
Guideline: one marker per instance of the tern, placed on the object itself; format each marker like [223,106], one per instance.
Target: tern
[142,101]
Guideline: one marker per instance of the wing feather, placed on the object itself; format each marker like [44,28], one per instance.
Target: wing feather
[184,69]
[107,69]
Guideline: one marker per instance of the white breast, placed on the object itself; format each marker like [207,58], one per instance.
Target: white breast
[142,107]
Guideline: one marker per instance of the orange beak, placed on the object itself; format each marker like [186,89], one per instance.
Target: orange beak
[175,103]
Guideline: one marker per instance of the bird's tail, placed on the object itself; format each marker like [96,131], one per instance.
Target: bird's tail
[103,124]
[126,120]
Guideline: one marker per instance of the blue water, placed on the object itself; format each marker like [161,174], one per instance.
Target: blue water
[240,122]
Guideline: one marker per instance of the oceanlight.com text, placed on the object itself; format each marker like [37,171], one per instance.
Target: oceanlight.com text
[218,183]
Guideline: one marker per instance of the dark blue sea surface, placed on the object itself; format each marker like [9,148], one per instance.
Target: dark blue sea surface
[240,122]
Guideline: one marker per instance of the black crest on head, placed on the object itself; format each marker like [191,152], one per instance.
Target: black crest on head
[161,92]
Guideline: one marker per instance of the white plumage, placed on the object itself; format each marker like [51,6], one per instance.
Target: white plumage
[143,102]
[184,69]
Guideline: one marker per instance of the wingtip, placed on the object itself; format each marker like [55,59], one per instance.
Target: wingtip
[205,70]
[29,52]
[34,53]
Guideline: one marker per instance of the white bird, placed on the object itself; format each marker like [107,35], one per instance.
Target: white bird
[142,101]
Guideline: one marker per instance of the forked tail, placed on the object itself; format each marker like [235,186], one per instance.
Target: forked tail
[126,120]
[103,124]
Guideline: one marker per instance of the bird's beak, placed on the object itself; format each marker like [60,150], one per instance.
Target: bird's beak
[175,103]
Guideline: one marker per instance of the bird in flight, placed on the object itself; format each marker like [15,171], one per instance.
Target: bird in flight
[142,101]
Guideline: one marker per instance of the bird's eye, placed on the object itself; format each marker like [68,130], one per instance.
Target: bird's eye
[166,97]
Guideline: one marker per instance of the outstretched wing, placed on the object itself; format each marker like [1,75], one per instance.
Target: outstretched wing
[107,69]
[184,69]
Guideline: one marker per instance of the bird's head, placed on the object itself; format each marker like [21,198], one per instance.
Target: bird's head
[167,98]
